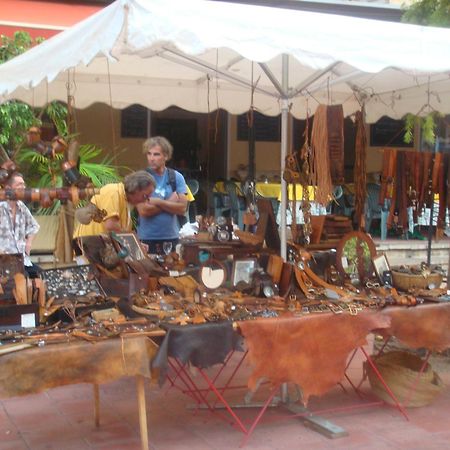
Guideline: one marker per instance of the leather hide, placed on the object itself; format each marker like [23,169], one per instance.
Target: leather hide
[425,326]
[201,345]
[310,351]
[37,369]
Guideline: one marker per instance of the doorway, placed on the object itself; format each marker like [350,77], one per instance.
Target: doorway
[183,135]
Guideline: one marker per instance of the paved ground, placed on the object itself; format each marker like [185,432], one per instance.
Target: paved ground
[62,419]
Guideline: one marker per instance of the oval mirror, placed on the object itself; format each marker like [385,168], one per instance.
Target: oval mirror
[354,255]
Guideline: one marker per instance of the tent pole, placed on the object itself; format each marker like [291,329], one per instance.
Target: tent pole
[284,144]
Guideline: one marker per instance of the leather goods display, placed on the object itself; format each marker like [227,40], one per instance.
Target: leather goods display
[46,196]
[320,157]
[297,350]
[412,179]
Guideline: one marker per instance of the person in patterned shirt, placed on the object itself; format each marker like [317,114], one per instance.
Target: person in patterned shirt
[17,226]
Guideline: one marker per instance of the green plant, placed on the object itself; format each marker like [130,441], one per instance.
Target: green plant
[428,12]
[19,43]
[57,113]
[15,117]
[42,172]
[435,13]
[427,124]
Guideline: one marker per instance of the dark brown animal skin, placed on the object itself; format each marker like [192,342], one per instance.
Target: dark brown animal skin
[310,351]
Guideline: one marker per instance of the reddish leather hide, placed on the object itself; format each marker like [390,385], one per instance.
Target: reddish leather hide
[310,351]
[425,326]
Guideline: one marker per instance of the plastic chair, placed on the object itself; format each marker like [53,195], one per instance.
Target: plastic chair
[372,208]
[343,205]
[237,204]
[274,201]
[218,203]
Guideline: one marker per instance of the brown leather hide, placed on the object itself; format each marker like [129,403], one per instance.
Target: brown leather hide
[425,326]
[36,369]
[310,351]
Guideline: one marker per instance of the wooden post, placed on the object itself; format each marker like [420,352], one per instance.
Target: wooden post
[96,404]
[142,411]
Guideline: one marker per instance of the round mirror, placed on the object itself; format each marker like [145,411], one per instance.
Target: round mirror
[354,255]
[213,274]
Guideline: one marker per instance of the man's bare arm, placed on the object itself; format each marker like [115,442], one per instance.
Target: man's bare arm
[112,224]
[146,209]
[175,204]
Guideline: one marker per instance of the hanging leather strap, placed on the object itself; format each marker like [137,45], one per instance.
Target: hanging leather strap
[401,200]
[388,174]
[359,172]
[425,186]
[335,127]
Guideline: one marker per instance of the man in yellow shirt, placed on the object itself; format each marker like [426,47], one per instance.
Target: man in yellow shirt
[115,199]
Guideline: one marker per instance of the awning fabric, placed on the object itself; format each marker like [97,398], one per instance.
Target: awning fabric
[202,55]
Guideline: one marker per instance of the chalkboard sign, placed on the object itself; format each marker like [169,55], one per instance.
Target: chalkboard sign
[388,132]
[134,122]
[266,128]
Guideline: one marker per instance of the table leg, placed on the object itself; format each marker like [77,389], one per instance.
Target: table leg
[142,411]
[96,404]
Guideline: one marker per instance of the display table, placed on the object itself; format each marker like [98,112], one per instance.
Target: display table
[36,369]
[283,349]
[311,351]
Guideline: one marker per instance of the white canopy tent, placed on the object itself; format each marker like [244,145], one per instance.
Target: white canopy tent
[202,55]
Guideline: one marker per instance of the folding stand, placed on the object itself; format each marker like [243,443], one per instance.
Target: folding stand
[190,387]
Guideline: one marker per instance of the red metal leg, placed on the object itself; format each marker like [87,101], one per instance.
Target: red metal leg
[259,416]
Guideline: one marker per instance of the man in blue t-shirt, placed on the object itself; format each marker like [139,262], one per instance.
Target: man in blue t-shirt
[158,221]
